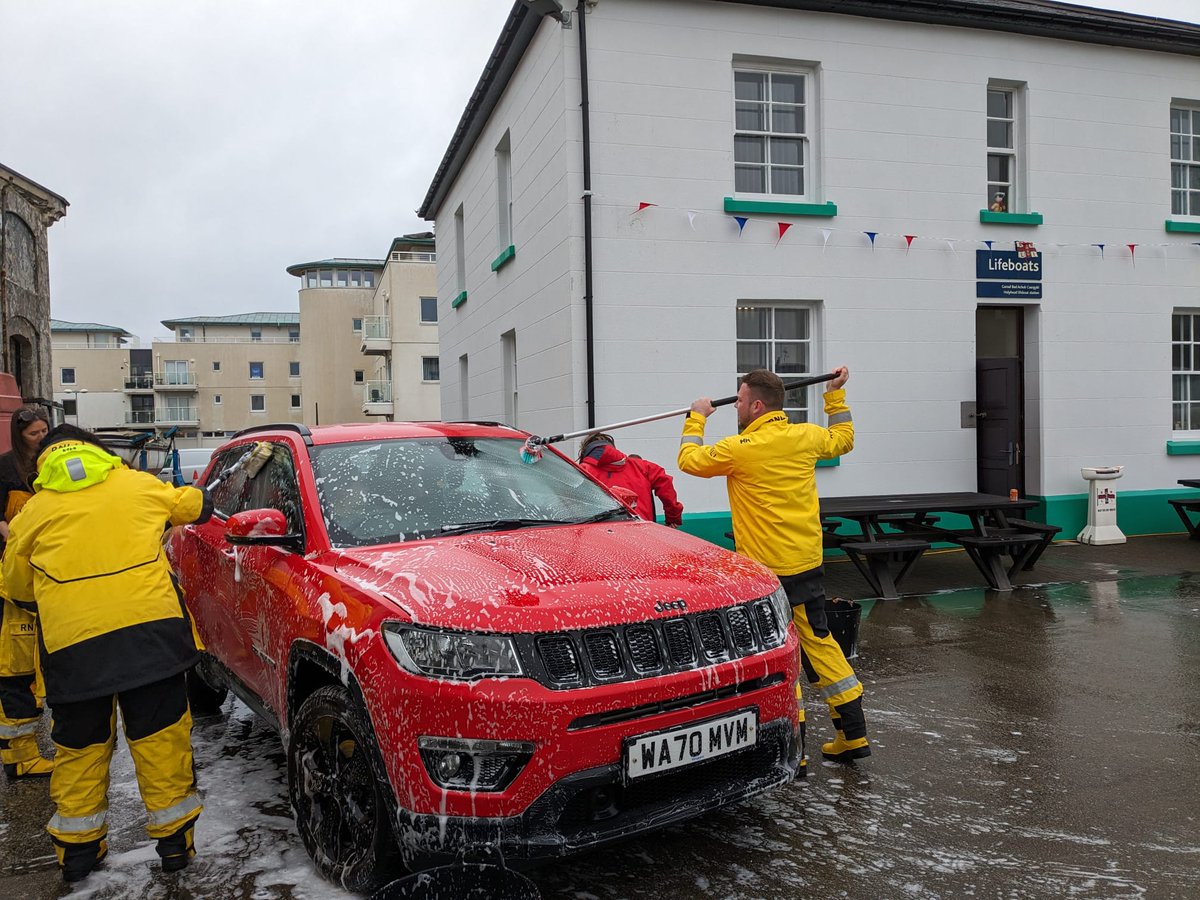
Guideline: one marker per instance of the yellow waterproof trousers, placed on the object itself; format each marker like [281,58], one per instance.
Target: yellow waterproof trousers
[158,728]
[821,656]
[20,708]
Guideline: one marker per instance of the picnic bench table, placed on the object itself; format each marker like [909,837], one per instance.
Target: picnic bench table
[896,529]
[1182,507]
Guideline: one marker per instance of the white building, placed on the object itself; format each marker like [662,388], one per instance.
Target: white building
[863,150]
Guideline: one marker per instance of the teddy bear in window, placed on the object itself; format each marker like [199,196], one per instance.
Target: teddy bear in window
[999,203]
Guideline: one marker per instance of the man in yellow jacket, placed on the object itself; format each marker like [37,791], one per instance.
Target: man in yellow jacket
[112,629]
[769,467]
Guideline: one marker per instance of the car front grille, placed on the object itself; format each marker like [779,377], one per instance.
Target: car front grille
[622,653]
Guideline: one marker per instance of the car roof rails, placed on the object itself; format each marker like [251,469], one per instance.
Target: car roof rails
[301,430]
[486,422]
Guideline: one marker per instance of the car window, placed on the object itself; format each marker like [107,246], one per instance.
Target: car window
[232,495]
[385,491]
[274,486]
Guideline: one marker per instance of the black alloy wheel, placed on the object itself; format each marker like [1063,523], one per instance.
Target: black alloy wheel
[341,813]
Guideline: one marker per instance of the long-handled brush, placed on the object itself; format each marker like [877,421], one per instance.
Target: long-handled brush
[532,451]
[252,461]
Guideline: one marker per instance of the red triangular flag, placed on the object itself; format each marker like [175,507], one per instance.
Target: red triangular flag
[783,227]
[645,205]
[1132,252]
[909,238]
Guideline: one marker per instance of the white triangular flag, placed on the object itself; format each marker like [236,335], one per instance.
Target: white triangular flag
[692,219]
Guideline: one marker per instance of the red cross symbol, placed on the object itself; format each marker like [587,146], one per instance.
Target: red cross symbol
[1106,496]
[1025,249]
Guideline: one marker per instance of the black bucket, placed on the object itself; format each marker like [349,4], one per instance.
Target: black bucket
[464,881]
[843,617]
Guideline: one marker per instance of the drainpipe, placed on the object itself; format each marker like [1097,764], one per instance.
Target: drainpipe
[588,307]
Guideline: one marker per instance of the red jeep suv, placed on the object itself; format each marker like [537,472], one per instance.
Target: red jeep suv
[461,650]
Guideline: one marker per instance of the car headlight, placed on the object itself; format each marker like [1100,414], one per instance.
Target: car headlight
[782,607]
[451,654]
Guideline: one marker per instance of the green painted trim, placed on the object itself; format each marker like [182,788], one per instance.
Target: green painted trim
[1183,448]
[995,218]
[1188,227]
[459,300]
[1138,512]
[505,255]
[829,463]
[825,210]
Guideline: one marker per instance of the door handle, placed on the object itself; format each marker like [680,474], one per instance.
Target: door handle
[1017,447]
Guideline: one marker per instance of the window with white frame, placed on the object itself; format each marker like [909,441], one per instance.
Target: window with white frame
[66,376]
[256,334]
[1185,159]
[356,325]
[256,371]
[772,133]
[429,309]
[216,399]
[359,376]
[504,194]
[216,365]
[1185,370]
[295,401]
[1003,160]
[430,368]
[294,368]
[258,403]
[779,338]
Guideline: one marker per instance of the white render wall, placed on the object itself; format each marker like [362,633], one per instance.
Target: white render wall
[901,144]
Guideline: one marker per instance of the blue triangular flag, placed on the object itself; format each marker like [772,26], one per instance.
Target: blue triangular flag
[989,244]
[871,235]
[1101,246]
[741,220]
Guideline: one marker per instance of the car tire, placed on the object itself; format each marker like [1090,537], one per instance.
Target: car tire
[341,813]
[205,690]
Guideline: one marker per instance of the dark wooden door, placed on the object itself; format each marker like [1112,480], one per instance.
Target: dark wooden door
[999,429]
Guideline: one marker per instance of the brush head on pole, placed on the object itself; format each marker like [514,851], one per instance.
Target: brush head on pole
[531,452]
[258,458]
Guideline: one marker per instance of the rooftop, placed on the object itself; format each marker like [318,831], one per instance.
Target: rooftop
[83,327]
[254,318]
[337,262]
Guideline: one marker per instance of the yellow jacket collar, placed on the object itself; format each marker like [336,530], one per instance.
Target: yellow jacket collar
[73,465]
[771,417]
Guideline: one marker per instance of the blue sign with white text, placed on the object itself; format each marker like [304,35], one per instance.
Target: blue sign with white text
[1018,290]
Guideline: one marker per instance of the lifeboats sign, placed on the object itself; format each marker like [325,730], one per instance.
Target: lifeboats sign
[1008,274]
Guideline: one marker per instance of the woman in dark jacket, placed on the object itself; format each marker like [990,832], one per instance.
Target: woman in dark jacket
[20,705]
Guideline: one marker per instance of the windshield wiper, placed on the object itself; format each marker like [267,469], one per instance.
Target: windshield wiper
[498,525]
[605,516]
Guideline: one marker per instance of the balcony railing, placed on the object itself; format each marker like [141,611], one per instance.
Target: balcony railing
[376,328]
[174,379]
[413,256]
[139,383]
[140,417]
[172,415]
[377,392]
[229,340]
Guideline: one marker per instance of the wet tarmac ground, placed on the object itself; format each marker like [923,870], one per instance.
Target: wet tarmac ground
[1042,743]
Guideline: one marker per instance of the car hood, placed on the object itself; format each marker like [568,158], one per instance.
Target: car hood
[554,577]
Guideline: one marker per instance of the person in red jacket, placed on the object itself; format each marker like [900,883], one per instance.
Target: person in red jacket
[601,459]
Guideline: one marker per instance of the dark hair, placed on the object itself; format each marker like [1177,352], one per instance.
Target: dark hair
[25,459]
[68,432]
[766,387]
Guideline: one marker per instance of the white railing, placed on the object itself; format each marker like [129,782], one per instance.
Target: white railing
[377,392]
[229,340]
[175,414]
[140,417]
[174,379]
[376,328]
[413,256]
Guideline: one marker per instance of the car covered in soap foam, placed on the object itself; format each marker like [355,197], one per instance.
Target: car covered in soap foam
[462,650]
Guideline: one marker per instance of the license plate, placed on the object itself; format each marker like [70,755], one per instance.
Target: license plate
[653,753]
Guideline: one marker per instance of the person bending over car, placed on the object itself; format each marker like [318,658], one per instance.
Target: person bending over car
[112,629]
[600,458]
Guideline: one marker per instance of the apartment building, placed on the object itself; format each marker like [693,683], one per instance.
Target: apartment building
[91,362]
[989,210]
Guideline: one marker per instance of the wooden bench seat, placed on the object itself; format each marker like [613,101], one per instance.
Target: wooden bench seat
[988,550]
[1182,508]
[874,559]
[1047,533]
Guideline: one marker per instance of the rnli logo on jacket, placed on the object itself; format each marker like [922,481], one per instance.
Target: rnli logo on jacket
[669,605]
[26,628]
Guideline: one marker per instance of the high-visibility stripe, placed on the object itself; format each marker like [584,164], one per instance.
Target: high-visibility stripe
[839,418]
[691,439]
[189,804]
[77,824]
[8,732]
[832,690]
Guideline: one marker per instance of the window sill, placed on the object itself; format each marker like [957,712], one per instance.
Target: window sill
[995,218]
[459,300]
[1185,227]
[829,463]
[825,210]
[505,255]
[1183,448]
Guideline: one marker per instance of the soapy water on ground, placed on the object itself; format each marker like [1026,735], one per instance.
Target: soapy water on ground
[1044,743]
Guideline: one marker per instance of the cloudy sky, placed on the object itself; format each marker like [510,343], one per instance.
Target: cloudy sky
[206,146]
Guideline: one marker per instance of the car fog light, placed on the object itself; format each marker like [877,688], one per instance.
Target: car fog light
[449,765]
[465,764]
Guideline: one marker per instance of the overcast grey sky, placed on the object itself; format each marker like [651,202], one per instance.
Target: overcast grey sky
[206,146]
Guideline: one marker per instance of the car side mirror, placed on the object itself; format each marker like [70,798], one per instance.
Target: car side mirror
[261,528]
[625,495]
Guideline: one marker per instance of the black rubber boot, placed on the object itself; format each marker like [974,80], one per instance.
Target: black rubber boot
[79,860]
[177,849]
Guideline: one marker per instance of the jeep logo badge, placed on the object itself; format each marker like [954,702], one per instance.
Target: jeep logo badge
[668,605]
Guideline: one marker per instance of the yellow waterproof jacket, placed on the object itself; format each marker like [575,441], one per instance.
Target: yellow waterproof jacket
[771,479]
[87,549]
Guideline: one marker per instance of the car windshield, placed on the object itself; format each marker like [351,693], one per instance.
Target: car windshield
[381,492]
